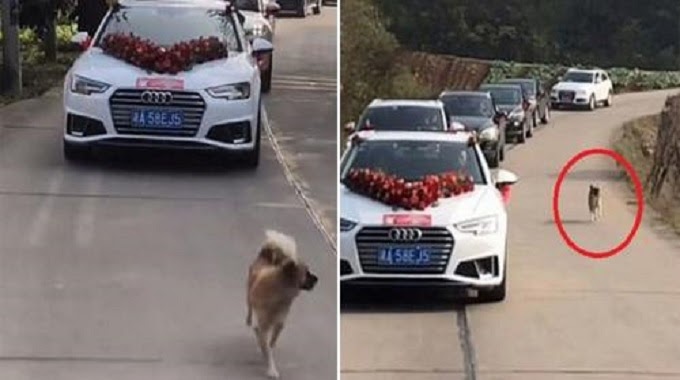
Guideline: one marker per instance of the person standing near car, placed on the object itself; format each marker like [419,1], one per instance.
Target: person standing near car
[90,14]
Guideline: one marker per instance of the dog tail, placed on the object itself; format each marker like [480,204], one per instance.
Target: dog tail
[284,242]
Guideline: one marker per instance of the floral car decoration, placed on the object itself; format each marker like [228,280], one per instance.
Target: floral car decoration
[409,195]
[149,56]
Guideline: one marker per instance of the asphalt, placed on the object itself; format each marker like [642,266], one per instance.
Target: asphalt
[566,316]
[134,267]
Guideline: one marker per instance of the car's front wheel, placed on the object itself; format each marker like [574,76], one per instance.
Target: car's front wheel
[302,9]
[608,102]
[76,153]
[591,103]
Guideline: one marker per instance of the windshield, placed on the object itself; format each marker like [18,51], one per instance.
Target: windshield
[248,5]
[578,77]
[527,86]
[413,160]
[403,118]
[505,96]
[167,26]
[468,105]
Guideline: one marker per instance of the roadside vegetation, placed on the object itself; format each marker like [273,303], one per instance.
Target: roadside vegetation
[40,74]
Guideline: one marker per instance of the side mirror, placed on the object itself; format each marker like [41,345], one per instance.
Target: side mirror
[272,8]
[350,127]
[504,178]
[81,39]
[262,46]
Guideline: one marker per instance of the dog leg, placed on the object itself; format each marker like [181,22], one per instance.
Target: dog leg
[249,316]
[275,334]
[272,371]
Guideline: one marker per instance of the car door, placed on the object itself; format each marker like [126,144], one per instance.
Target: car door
[606,84]
[600,87]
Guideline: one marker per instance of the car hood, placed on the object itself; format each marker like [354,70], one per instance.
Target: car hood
[483,201]
[94,64]
[573,86]
[474,122]
[508,108]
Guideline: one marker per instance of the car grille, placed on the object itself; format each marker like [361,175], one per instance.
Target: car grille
[438,240]
[123,102]
[567,95]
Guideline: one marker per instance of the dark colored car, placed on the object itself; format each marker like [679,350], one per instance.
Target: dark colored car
[510,98]
[477,111]
[539,99]
[300,7]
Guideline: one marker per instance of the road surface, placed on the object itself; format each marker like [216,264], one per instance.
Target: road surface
[566,317]
[135,268]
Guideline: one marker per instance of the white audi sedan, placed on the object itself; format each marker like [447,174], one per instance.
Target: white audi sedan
[215,105]
[461,242]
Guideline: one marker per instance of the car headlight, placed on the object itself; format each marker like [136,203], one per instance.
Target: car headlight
[516,115]
[489,134]
[236,91]
[479,226]
[86,86]
[258,30]
[346,225]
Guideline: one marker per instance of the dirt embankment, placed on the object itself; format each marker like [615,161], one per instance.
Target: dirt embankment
[442,72]
[652,145]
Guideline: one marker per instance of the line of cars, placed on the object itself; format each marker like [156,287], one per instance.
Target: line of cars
[214,105]
[459,242]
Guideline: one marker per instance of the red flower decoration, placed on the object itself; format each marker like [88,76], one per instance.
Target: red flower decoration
[409,195]
[150,56]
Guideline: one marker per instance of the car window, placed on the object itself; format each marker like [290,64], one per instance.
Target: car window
[468,105]
[413,160]
[505,96]
[158,24]
[578,77]
[248,5]
[529,87]
[402,118]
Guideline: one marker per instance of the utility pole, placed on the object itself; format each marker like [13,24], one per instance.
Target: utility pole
[11,55]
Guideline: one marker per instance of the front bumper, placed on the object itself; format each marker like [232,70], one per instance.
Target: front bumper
[514,127]
[471,262]
[569,98]
[209,123]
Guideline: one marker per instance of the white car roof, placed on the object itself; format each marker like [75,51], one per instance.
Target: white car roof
[588,71]
[461,136]
[405,102]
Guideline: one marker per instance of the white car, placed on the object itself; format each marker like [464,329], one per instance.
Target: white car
[401,115]
[215,105]
[583,88]
[260,22]
[459,243]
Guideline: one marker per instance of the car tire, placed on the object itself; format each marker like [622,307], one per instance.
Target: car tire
[302,9]
[592,104]
[496,293]
[251,159]
[546,116]
[267,77]
[317,8]
[609,101]
[76,153]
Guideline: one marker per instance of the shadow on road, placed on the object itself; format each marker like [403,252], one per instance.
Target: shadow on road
[397,300]
[161,161]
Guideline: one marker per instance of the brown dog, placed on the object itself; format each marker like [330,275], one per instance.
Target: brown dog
[275,279]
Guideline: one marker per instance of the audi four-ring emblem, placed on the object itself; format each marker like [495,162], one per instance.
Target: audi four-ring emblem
[157,97]
[405,234]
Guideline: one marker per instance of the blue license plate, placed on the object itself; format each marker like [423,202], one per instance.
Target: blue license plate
[407,257]
[151,118]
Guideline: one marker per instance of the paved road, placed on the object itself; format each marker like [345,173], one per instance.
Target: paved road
[566,317]
[129,270]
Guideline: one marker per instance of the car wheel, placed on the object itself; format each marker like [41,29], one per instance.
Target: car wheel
[76,153]
[592,104]
[610,98]
[497,293]
[317,8]
[267,76]
[546,116]
[251,159]
[302,9]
